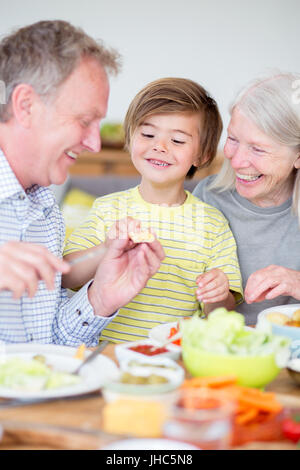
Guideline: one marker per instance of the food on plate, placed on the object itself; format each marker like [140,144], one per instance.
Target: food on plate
[152,379]
[144,236]
[40,357]
[296,315]
[140,418]
[258,414]
[33,375]
[293,323]
[148,349]
[283,319]
[80,352]
[278,318]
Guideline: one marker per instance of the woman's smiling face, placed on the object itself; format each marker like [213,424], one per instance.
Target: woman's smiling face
[264,168]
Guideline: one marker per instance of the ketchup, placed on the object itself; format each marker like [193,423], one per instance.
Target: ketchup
[148,349]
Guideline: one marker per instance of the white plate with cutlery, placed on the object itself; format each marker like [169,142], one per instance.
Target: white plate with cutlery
[21,378]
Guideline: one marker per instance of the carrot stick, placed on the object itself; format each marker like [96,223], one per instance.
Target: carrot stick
[211,382]
[246,416]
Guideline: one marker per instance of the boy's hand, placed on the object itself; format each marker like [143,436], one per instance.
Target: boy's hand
[213,286]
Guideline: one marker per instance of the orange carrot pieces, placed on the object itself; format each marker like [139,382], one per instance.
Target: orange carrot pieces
[253,406]
[211,382]
[247,416]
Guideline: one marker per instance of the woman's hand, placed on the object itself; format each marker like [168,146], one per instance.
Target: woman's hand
[213,286]
[271,282]
[23,265]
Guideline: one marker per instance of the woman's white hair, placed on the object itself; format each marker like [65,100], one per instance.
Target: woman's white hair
[273,104]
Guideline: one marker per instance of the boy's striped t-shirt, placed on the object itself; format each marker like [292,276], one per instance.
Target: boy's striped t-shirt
[195,237]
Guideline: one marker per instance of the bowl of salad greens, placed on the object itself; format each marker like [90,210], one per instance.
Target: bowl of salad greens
[223,345]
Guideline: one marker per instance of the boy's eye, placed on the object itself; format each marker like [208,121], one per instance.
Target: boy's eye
[232,139]
[176,141]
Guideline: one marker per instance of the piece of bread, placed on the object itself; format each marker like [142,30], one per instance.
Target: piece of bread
[296,315]
[278,318]
[142,237]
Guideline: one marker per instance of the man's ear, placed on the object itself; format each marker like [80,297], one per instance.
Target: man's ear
[22,101]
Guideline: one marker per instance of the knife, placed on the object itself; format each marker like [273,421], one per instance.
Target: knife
[91,356]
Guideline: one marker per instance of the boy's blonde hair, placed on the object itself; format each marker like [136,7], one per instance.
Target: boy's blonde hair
[178,95]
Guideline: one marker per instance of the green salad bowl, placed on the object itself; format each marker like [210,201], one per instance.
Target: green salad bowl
[250,371]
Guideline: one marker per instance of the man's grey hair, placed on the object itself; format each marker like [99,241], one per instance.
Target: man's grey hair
[44,54]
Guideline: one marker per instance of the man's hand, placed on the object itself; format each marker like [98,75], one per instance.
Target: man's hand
[271,282]
[123,273]
[23,264]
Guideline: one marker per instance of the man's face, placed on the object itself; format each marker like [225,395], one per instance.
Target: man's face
[67,125]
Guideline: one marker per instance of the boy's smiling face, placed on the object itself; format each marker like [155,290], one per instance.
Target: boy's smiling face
[165,146]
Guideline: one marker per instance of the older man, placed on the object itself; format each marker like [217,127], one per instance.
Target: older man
[57,91]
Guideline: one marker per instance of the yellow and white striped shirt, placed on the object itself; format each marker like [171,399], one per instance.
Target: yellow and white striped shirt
[195,237]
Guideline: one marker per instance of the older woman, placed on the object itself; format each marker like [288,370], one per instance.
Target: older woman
[258,191]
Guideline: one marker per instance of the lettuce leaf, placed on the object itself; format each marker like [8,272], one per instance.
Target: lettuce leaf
[32,375]
[224,332]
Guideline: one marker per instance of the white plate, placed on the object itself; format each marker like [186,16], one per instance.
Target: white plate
[286,309]
[291,332]
[149,444]
[94,375]
[159,334]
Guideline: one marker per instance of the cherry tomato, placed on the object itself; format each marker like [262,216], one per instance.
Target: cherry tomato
[291,427]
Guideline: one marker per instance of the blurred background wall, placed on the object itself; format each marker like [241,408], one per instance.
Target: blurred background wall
[220,43]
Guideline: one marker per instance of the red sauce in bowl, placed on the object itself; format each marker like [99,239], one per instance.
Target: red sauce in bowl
[148,349]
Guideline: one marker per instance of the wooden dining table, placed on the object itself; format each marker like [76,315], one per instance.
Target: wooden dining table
[76,423]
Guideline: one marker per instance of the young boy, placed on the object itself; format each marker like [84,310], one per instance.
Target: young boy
[172,127]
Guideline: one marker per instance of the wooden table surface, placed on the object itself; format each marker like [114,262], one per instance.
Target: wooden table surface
[76,423]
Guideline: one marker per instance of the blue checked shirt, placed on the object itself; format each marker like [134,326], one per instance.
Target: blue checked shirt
[50,316]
